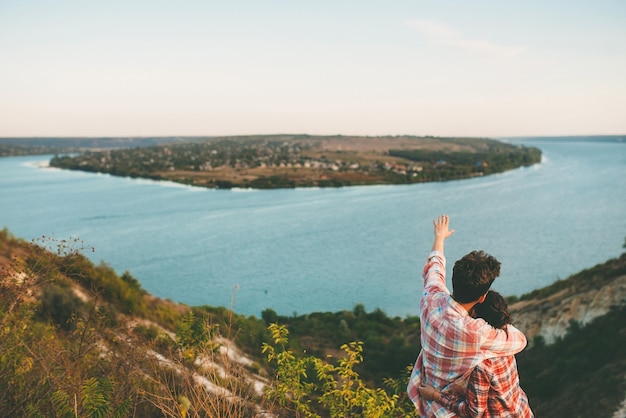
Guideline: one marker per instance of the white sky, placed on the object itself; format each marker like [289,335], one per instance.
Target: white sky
[421,67]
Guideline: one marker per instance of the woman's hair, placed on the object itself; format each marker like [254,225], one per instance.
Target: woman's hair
[494,310]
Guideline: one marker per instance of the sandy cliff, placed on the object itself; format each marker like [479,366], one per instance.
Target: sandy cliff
[584,297]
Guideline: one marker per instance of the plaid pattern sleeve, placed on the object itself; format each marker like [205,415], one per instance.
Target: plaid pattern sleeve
[453,343]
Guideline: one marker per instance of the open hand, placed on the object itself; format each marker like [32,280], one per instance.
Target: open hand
[442,224]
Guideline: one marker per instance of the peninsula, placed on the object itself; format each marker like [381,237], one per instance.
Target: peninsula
[287,161]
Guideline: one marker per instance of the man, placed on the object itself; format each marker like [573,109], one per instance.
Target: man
[453,342]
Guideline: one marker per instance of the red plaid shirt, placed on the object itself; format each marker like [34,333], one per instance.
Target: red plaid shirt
[453,343]
[493,390]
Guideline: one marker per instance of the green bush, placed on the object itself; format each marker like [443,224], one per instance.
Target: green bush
[59,305]
[337,388]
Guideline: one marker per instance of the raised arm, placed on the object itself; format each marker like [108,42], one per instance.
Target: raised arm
[435,268]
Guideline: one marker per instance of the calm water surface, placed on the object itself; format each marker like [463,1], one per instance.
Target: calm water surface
[305,250]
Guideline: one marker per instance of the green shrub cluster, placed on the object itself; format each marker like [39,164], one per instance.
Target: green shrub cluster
[389,344]
[311,387]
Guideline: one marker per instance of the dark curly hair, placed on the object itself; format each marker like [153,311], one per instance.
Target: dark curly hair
[473,275]
[494,310]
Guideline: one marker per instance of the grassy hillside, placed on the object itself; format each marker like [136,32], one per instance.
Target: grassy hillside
[80,340]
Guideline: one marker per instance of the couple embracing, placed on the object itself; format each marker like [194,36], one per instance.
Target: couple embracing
[466,367]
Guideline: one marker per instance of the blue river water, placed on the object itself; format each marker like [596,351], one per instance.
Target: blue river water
[308,250]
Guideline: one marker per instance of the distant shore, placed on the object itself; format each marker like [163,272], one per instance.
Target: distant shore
[289,161]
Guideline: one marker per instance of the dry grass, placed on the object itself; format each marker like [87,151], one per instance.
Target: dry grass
[299,175]
[383,144]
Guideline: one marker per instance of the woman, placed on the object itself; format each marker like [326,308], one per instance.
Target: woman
[493,388]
